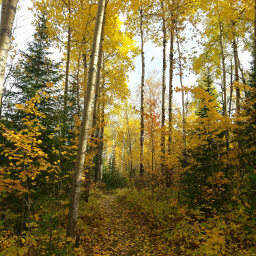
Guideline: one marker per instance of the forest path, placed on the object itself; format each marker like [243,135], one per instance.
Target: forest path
[121,233]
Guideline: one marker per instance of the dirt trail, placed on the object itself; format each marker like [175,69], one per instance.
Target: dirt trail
[121,233]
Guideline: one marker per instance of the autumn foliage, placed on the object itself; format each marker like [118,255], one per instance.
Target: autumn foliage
[170,162]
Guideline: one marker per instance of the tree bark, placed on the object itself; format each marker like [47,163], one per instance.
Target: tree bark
[101,146]
[224,86]
[96,107]
[163,167]
[78,89]
[182,95]
[142,130]
[8,12]
[129,142]
[99,155]
[84,131]
[169,172]
[85,74]
[68,58]
[236,76]
[235,52]
[231,90]
[97,87]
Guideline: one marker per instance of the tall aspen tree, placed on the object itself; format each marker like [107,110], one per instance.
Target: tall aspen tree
[8,12]
[142,128]
[163,90]
[235,52]
[182,93]
[130,164]
[84,130]
[224,82]
[68,57]
[100,136]
[224,86]
[231,89]
[170,121]
[95,119]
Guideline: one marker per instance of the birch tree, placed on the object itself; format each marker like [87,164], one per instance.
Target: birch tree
[142,94]
[84,131]
[163,88]
[7,18]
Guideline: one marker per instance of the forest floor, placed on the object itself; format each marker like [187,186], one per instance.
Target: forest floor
[128,222]
[121,233]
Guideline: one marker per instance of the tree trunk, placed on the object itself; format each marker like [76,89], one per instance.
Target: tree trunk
[241,71]
[85,73]
[224,86]
[231,90]
[142,130]
[182,95]
[97,87]
[163,167]
[78,88]
[169,172]
[235,52]
[7,18]
[96,110]
[101,146]
[236,77]
[68,58]
[99,155]
[130,164]
[83,137]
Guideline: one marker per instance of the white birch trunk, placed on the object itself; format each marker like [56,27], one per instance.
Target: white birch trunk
[7,18]
[83,137]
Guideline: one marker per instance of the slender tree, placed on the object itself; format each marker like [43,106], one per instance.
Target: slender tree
[235,51]
[96,108]
[224,82]
[163,89]
[84,131]
[68,56]
[142,126]
[7,18]
[182,92]
[171,60]
[224,86]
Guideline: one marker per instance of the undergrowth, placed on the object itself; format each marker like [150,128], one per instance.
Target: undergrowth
[189,231]
[45,233]
[174,229]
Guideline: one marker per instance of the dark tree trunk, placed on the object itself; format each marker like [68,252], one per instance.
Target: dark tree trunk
[163,166]
[142,129]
